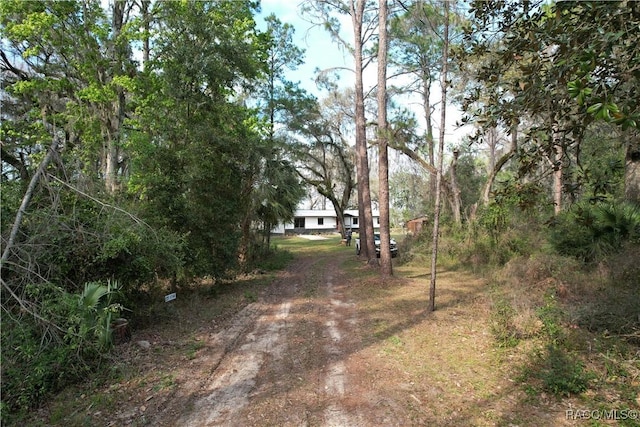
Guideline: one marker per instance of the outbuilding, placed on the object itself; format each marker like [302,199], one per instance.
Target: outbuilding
[415,225]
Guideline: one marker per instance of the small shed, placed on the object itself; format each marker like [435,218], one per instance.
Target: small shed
[414,226]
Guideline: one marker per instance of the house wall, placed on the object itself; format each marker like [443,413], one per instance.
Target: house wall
[317,224]
[314,224]
[328,219]
[349,222]
[351,219]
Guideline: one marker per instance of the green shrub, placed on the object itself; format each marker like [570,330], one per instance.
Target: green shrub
[502,325]
[550,315]
[494,219]
[58,341]
[589,232]
[78,240]
[99,310]
[561,373]
[276,259]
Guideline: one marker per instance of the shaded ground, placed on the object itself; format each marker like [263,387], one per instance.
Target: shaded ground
[324,344]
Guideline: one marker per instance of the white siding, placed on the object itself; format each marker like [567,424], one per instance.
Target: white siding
[323,221]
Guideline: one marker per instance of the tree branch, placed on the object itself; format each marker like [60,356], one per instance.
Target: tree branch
[26,199]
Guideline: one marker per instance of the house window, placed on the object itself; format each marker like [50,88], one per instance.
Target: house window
[320,221]
[354,221]
[298,222]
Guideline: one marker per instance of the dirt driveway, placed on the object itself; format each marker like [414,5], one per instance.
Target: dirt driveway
[327,343]
[282,360]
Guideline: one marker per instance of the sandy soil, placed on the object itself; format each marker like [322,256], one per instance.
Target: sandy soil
[288,359]
[280,361]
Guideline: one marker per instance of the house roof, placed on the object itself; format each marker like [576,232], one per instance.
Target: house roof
[315,212]
[354,212]
[328,213]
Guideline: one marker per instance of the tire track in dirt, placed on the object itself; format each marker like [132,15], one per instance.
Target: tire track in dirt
[236,375]
[335,377]
[237,356]
[256,344]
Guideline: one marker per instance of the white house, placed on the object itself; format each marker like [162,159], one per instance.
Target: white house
[321,221]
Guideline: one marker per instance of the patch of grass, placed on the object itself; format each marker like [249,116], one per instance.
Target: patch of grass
[379,327]
[193,347]
[250,296]
[301,246]
[393,345]
[166,382]
[557,372]
[395,341]
[103,400]
[560,326]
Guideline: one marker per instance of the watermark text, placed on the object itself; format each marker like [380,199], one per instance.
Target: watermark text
[602,414]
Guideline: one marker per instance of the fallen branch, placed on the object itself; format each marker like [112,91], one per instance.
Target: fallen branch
[26,199]
[101,203]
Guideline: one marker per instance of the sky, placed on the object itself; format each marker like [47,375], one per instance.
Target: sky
[320,51]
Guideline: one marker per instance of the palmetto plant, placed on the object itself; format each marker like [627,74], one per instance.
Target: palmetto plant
[97,304]
[618,222]
[591,231]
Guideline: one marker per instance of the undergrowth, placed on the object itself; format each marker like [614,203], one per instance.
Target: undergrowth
[67,340]
[569,317]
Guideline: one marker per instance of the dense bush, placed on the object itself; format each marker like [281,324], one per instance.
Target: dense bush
[56,339]
[58,295]
[502,323]
[78,240]
[591,231]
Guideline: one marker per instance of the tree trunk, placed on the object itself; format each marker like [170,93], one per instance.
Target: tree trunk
[557,171]
[426,94]
[362,161]
[110,161]
[632,173]
[443,116]
[383,152]
[492,143]
[456,202]
[340,224]
[146,22]
[18,164]
[245,225]
[114,119]
[497,166]
[268,237]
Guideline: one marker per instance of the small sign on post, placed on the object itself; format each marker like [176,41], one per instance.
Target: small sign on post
[170,297]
